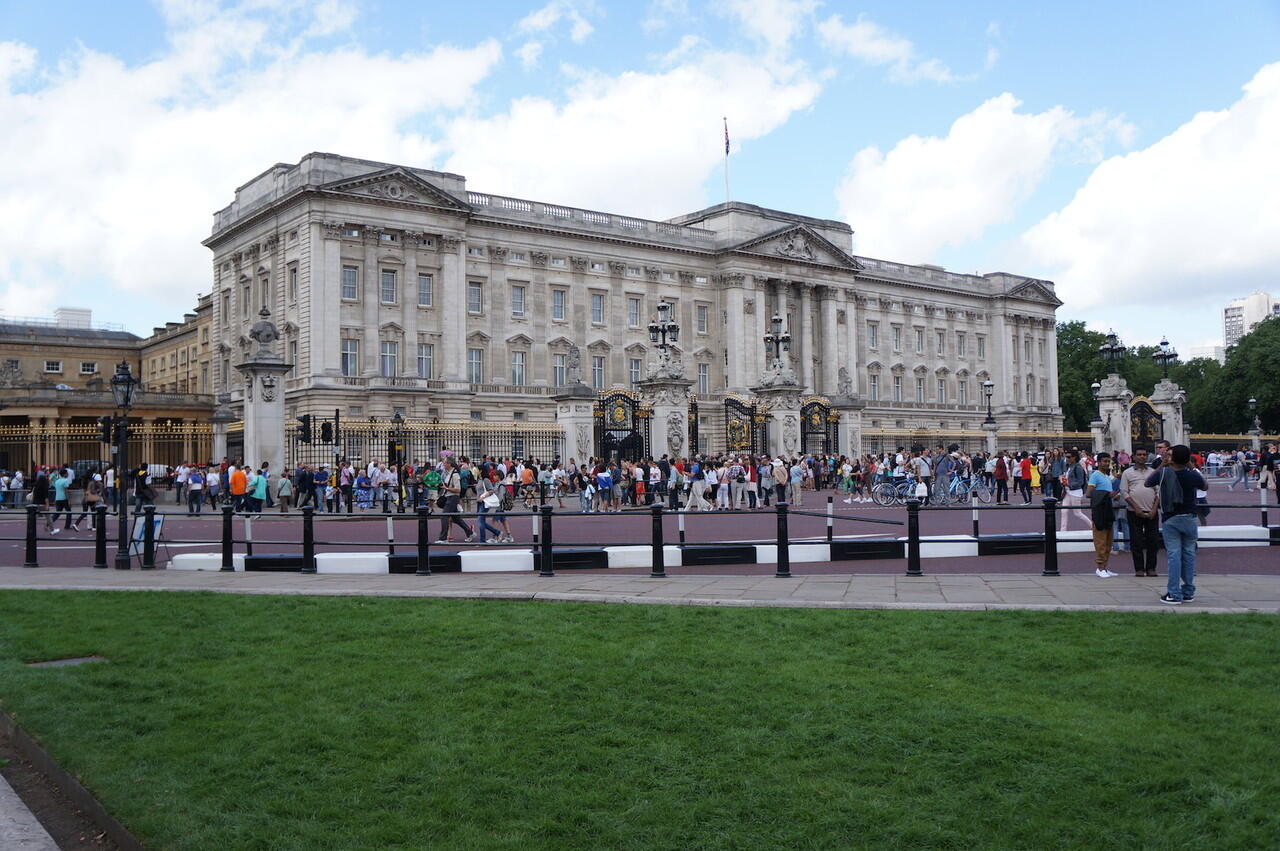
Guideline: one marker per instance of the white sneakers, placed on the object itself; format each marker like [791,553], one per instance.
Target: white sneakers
[1103,573]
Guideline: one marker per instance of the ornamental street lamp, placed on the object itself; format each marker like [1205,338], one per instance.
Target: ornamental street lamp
[665,330]
[397,441]
[123,388]
[1096,389]
[1165,355]
[988,388]
[1112,351]
[777,341]
[1257,420]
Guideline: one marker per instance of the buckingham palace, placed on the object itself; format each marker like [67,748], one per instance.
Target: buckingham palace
[400,293]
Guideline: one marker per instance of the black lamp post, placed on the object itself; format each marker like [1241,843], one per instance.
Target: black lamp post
[664,331]
[397,438]
[1257,420]
[1112,351]
[1096,389]
[988,388]
[777,341]
[1165,355]
[123,387]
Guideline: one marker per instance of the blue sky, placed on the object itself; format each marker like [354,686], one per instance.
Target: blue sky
[1126,151]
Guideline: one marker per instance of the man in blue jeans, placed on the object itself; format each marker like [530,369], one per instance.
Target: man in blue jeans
[1177,486]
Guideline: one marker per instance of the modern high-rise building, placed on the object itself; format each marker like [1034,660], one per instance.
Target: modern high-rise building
[1243,315]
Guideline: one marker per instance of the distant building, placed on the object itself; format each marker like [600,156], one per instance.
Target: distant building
[1243,315]
[1218,353]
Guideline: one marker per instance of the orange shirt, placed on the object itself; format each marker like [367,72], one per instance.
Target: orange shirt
[238,482]
[526,475]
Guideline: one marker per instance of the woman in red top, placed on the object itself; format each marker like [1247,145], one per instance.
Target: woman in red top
[1002,480]
[1024,484]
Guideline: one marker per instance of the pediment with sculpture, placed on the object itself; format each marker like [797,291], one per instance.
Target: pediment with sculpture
[798,243]
[398,185]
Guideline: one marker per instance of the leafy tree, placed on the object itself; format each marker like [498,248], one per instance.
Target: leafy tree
[1251,371]
[1079,365]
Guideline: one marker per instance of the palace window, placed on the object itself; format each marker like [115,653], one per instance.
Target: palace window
[700,317]
[388,286]
[597,372]
[350,283]
[350,358]
[1031,390]
[633,312]
[597,308]
[960,350]
[557,261]
[557,370]
[897,338]
[633,372]
[518,256]
[941,342]
[557,304]
[1040,343]
[474,251]
[1044,391]
[633,271]
[88,367]
[919,341]
[873,387]
[962,391]
[704,379]
[873,335]
[1026,344]
[53,366]
[897,388]
[245,307]
[475,366]
[517,368]
[388,359]
[293,358]
[426,360]
[982,346]
[942,391]
[597,267]
[293,282]
[919,389]
[517,300]
[426,290]
[475,297]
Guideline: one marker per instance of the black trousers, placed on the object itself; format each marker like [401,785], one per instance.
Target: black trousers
[1002,491]
[1144,542]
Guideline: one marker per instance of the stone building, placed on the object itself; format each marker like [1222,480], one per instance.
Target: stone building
[178,357]
[396,289]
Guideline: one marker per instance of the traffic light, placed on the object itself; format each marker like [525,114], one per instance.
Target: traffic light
[326,432]
[106,427]
[304,428]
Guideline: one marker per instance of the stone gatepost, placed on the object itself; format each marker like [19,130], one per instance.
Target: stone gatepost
[1169,402]
[991,429]
[783,404]
[222,417]
[1111,430]
[264,372]
[850,408]
[668,399]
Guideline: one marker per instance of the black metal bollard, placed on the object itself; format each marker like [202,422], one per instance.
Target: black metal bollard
[100,536]
[386,501]
[975,521]
[784,543]
[32,560]
[399,499]
[424,542]
[308,540]
[830,522]
[913,537]
[148,537]
[228,542]
[548,566]
[1050,538]
[658,568]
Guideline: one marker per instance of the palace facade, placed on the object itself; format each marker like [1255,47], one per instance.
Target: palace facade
[398,290]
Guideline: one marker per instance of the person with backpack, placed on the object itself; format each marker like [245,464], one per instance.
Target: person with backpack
[451,488]
[195,491]
[89,501]
[1177,484]
[490,501]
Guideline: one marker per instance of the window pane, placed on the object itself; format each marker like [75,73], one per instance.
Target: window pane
[350,282]
[701,313]
[388,356]
[475,366]
[426,292]
[517,301]
[597,308]
[388,286]
[517,368]
[633,372]
[633,312]
[874,387]
[557,304]
[704,379]
[350,357]
[558,370]
[873,335]
[475,297]
[426,360]
[597,373]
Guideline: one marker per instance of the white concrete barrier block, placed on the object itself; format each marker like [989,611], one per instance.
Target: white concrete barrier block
[1258,536]
[352,563]
[947,546]
[204,561]
[641,556]
[496,561]
[1075,541]
[768,553]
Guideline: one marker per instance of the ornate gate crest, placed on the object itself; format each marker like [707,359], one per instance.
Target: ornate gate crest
[622,426]
[1146,426]
[819,423]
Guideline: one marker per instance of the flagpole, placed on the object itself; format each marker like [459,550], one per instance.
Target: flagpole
[726,159]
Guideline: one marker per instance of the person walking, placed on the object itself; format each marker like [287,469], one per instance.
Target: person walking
[284,494]
[89,499]
[1144,525]
[1241,471]
[1076,479]
[451,488]
[195,491]
[1177,484]
[1101,495]
[1002,479]
[61,482]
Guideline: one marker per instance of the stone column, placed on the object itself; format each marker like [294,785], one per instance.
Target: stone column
[222,417]
[830,342]
[574,413]
[263,373]
[369,301]
[761,313]
[454,289]
[1000,360]
[783,404]
[1168,402]
[805,337]
[1112,432]
[320,333]
[735,330]
[850,427]
[991,430]
[850,361]
[669,400]
[409,311]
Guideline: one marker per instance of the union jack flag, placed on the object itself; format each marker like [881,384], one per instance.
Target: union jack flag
[726,136]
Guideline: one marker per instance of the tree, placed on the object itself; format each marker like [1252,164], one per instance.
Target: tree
[1079,365]
[1251,371]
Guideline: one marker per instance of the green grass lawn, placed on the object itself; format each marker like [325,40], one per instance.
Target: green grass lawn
[227,721]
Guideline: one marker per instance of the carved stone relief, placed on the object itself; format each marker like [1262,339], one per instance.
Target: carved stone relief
[675,432]
[579,263]
[539,258]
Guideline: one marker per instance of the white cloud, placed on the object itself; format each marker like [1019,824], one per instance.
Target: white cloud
[686,46]
[774,22]
[544,19]
[1196,213]
[872,43]
[661,14]
[529,53]
[646,139]
[109,173]
[928,192]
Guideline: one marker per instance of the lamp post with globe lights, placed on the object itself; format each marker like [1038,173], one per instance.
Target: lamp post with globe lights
[124,386]
[777,341]
[1165,355]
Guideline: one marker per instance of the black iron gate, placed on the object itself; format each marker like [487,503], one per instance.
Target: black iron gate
[693,426]
[622,426]
[819,425]
[740,426]
[1146,426]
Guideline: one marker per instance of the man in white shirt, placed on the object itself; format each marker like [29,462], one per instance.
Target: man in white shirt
[181,479]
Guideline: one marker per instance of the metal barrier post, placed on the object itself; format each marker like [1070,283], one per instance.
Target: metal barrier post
[399,498]
[784,544]
[548,558]
[975,521]
[308,540]
[100,536]
[391,538]
[148,537]
[830,521]
[681,517]
[248,535]
[913,537]
[659,567]
[533,522]
[227,542]
[1262,502]
[32,561]
[1050,538]
[424,543]
[386,501]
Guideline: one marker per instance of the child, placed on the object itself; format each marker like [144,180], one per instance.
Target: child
[584,497]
